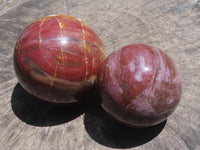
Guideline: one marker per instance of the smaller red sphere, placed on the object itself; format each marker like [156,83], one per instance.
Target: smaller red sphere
[139,85]
[56,58]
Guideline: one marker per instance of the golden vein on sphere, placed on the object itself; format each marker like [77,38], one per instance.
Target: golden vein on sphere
[40,38]
[40,41]
[85,47]
[54,76]
[61,58]
[62,39]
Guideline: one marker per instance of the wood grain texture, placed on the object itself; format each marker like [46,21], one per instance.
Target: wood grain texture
[171,25]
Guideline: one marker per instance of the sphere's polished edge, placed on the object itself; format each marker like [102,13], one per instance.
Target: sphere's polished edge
[140,85]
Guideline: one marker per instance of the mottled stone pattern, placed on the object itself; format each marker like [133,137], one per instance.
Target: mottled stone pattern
[140,85]
[171,25]
[60,55]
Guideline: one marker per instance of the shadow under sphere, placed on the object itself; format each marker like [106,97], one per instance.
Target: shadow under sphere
[108,132]
[38,113]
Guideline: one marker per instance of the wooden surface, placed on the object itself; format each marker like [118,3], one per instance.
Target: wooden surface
[172,25]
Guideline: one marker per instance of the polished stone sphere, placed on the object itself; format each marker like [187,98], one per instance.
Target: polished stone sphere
[139,85]
[57,57]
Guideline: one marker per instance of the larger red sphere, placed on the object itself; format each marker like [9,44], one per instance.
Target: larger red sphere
[56,58]
[140,85]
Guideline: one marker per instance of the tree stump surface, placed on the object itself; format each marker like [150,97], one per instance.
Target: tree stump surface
[171,25]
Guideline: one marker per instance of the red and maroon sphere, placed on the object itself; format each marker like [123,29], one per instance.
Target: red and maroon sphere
[57,58]
[140,85]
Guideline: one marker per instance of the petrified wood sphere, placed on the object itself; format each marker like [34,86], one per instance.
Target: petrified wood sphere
[140,85]
[57,58]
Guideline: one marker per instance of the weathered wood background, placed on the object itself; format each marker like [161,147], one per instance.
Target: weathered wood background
[172,25]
